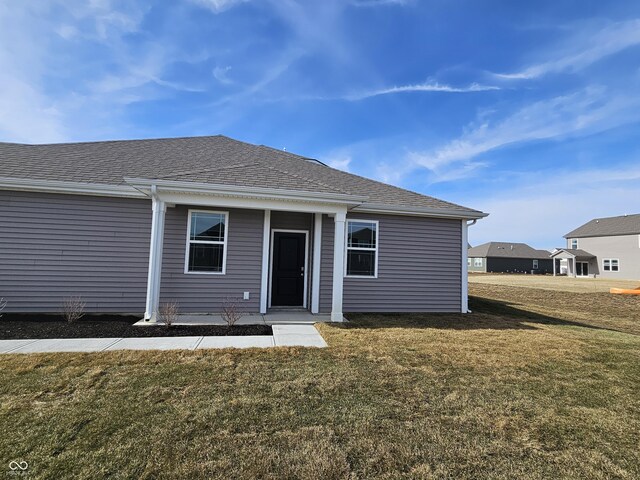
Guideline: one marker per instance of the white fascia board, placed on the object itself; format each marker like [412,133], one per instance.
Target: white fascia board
[168,186]
[77,188]
[248,203]
[418,211]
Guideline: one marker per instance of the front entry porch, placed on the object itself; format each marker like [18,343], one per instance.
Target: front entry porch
[580,264]
[241,247]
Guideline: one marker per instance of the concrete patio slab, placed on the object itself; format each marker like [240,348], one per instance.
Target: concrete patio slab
[67,345]
[252,319]
[156,343]
[7,346]
[249,341]
[272,318]
[294,329]
[300,341]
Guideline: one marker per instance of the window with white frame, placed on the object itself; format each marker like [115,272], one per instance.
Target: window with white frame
[574,243]
[362,248]
[611,265]
[206,242]
[535,264]
[468,262]
[477,262]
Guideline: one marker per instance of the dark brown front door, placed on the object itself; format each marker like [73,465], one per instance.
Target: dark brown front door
[287,276]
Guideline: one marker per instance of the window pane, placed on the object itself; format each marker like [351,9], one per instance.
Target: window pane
[614,265]
[362,234]
[607,265]
[205,257]
[361,262]
[207,226]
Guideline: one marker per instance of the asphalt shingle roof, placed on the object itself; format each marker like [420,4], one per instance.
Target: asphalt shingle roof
[603,227]
[507,250]
[214,159]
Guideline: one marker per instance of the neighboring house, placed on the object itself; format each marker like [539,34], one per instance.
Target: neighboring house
[128,225]
[508,257]
[604,247]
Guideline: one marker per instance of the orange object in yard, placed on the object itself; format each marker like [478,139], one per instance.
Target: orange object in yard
[625,291]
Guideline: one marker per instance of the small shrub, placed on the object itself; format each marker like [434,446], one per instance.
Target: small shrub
[230,311]
[168,313]
[3,303]
[73,308]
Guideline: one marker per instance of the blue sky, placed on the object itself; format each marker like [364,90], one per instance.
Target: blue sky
[527,110]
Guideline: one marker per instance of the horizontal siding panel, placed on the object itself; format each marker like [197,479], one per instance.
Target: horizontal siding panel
[201,293]
[419,267]
[53,246]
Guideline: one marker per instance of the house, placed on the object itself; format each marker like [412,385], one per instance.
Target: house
[129,225]
[508,257]
[605,247]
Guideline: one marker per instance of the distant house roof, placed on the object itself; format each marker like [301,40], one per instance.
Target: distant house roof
[507,250]
[578,253]
[604,227]
[215,160]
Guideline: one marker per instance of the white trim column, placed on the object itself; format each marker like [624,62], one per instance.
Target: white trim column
[554,265]
[317,251]
[464,300]
[264,280]
[159,209]
[338,265]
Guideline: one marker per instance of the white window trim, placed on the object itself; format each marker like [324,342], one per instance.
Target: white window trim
[536,264]
[223,243]
[347,248]
[611,260]
[571,240]
[477,262]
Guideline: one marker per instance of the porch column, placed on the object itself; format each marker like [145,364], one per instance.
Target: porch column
[317,251]
[338,266]
[266,235]
[464,301]
[155,258]
[554,266]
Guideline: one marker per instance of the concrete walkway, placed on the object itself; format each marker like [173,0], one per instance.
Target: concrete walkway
[283,336]
[271,318]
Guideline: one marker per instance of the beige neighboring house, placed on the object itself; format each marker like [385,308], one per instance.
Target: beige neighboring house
[604,247]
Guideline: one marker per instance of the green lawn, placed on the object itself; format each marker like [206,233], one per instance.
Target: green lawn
[502,393]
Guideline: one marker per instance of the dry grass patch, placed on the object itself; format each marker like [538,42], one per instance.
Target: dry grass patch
[504,393]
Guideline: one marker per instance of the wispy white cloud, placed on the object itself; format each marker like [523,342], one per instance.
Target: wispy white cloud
[380,3]
[584,49]
[541,208]
[221,74]
[341,162]
[584,112]
[218,6]
[429,86]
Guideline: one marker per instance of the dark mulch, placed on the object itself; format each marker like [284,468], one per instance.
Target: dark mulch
[14,326]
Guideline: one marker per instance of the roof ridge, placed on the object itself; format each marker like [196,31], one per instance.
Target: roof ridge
[128,140]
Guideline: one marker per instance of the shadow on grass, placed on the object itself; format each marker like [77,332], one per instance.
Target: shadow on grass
[487,314]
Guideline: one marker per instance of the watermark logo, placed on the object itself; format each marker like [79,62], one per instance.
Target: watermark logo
[13,465]
[18,467]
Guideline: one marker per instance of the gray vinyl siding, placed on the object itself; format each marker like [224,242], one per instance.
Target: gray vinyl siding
[205,293]
[53,246]
[625,248]
[474,269]
[517,265]
[291,221]
[419,267]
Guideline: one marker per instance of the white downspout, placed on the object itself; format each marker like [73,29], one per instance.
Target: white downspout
[464,300]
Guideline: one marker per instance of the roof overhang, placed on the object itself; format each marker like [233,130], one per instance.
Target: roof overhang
[78,188]
[420,211]
[566,253]
[165,187]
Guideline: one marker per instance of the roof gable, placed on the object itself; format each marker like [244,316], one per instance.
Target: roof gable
[604,227]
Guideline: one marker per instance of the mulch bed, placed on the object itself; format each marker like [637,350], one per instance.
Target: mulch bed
[21,326]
